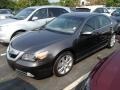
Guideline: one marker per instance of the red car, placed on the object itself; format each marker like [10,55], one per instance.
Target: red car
[105,75]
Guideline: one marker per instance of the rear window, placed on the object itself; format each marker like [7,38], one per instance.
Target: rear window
[82,9]
[5,12]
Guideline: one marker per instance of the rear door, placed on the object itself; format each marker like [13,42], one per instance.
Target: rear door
[105,28]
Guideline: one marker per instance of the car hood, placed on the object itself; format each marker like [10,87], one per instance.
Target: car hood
[8,21]
[108,76]
[36,40]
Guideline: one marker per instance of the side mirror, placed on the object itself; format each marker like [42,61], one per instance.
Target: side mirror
[86,33]
[34,18]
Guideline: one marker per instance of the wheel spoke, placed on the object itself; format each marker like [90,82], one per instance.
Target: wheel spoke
[61,70]
[112,40]
[65,64]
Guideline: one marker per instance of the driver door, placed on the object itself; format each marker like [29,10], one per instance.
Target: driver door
[89,39]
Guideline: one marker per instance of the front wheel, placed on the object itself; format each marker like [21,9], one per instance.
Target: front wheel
[63,64]
[112,41]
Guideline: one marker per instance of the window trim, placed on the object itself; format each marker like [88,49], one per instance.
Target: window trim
[108,24]
[87,21]
[99,27]
[30,19]
[56,8]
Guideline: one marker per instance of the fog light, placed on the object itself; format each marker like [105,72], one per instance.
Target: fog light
[29,74]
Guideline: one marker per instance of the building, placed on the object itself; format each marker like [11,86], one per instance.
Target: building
[84,2]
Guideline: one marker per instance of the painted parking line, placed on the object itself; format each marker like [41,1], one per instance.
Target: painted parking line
[3,54]
[76,82]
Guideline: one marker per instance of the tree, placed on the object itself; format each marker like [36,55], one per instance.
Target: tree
[97,2]
[115,3]
[70,3]
[38,2]
[25,3]
[6,4]
[22,4]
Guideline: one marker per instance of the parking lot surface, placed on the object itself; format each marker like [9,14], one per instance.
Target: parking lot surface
[12,80]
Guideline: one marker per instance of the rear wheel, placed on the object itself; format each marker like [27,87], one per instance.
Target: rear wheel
[112,41]
[63,64]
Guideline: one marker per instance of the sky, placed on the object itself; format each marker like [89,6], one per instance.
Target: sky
[54,0]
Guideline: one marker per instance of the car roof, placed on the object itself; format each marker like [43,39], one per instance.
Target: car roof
[81,14]
[51,6]
[47,6]
[93,7]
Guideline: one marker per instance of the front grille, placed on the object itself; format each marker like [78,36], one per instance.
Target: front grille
[12,55]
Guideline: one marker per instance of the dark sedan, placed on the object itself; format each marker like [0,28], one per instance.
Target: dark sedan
[62,42]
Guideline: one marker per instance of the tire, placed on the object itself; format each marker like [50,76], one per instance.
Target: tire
[61,66]
[112,41]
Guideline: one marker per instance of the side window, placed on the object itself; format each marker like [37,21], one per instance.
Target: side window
[99,10]
[62,11]
[55,12]
[104,21]
[91,25]
[41,14]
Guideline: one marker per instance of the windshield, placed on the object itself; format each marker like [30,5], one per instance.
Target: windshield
[24,13]
[5,12]
[82,10]
[66,24]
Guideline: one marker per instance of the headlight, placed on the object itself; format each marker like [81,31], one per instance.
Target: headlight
[28,57]
[36,56]
[41,55]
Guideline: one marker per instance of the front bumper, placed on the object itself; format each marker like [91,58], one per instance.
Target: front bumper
[40,70]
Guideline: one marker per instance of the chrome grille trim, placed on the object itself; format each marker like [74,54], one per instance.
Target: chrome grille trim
[14,51]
